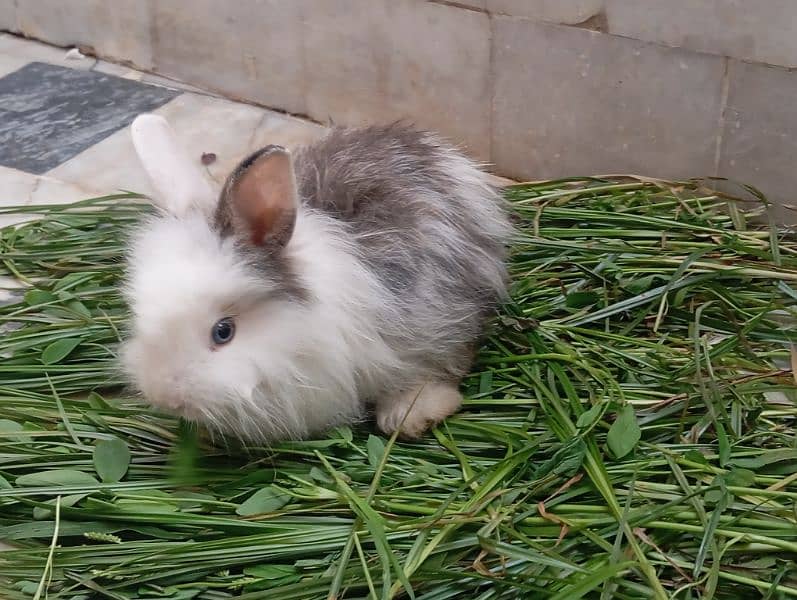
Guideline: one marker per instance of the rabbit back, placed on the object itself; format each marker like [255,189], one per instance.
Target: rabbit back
[427,223]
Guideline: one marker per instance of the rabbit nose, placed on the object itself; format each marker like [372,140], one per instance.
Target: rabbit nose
[172,401]
[167,391]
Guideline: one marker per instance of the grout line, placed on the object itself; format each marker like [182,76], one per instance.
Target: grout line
[255,130]
[490,87]
[455,4]
[721,121]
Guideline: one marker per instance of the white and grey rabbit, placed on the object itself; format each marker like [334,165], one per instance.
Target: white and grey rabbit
[358,271]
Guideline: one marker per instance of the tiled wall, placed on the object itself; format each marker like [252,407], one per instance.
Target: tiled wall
[540,88]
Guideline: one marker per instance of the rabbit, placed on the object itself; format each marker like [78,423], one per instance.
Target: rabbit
[358,271]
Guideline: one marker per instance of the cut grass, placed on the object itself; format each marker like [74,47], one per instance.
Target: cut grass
[629,430]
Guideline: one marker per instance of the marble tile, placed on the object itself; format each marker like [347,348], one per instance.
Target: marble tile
[18,188]
[109,68]
[9,64]
[229,130]
[48,114]
[173,84]
[15,53]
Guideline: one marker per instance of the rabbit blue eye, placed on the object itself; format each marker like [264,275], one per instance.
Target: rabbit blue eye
[223,331]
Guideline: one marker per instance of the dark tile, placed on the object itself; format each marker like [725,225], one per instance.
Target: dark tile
[48,114]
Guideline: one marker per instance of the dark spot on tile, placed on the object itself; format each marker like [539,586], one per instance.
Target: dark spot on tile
[48,114]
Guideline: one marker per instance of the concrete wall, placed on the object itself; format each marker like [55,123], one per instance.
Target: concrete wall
[540,88]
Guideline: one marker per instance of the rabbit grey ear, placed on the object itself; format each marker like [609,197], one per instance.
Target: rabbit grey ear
[262,197]
[178,183]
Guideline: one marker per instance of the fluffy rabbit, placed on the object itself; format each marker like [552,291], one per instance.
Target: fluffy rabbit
[359,271]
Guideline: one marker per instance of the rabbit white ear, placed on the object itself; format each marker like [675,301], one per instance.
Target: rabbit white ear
[178,183]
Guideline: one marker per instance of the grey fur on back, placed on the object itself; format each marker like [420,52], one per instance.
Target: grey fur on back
[427,222]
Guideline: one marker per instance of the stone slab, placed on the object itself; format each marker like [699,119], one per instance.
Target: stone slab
[571,101]
[48,114]
[760,133]
[762,31]
[247,49]
[380,61]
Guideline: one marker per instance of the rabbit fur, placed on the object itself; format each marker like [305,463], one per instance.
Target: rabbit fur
[359,271]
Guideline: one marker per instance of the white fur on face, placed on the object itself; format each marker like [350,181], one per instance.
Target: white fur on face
[292,368]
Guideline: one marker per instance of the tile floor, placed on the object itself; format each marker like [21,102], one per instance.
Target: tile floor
[61,144]
[71,144]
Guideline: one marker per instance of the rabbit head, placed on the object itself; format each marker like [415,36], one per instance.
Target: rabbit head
[224,327]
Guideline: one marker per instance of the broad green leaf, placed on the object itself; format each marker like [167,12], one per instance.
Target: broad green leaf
[319,475]
[765,458]
[267,500]
[588,417]
[41,513]
[695,457]
[10,430]
[38,297]
[345,433]
[566,461]
[111,459]
[80,308]
[56,477]
[571,460]
[376,449]
[581,299]
[740,478]
[59,350]
[624,433]
[190,499]
[71,280]
[27,587]
[641,284]
[97,402]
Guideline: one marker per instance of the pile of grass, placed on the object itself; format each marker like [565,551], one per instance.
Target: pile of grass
[629,430]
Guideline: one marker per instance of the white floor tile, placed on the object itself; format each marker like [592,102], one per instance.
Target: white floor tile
[228,129]
[110,68]
[15,52]
[18,188]
[203,122]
